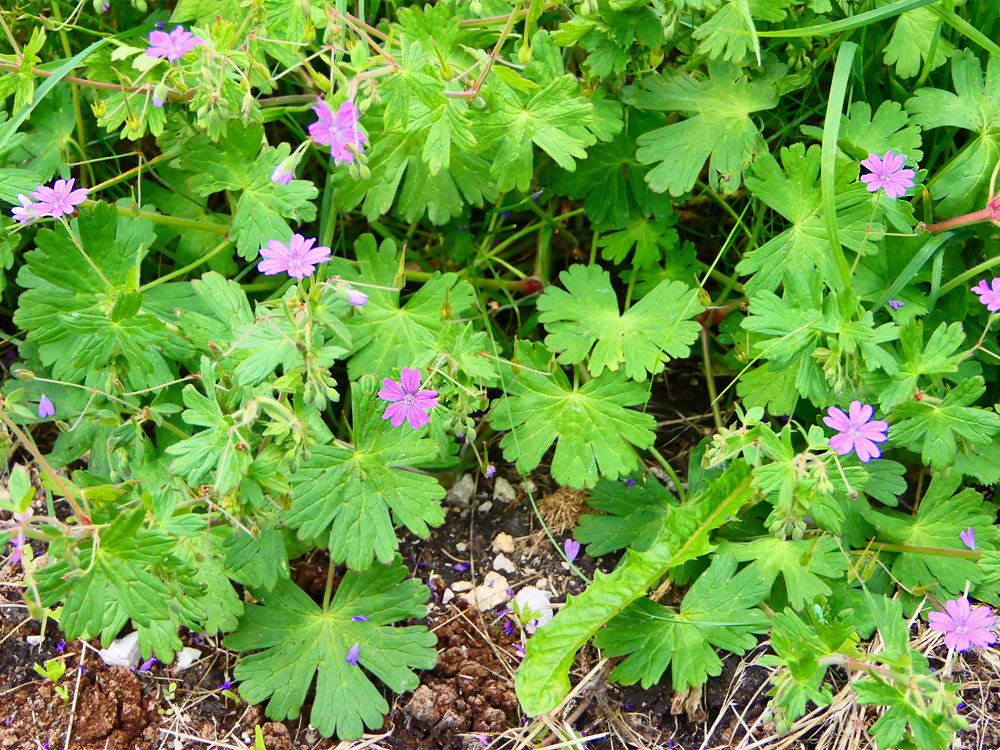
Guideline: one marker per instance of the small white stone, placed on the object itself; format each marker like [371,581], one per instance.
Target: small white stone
[186,657]
[503,543]
[461,546]
[543,583]
[492,592]
[534,608]
[486,507]
[503,492]
[528,486]
[460,493]
[448,596]
[34,640]
[503,564]
[461,586]
[123,652]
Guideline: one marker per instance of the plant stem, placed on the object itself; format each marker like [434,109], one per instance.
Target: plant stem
[976,217]
[329,584]
[960,553]
[969,274]
[181,271]
[681,492]
[706,354]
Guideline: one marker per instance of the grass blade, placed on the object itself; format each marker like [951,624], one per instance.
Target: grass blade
[828,175]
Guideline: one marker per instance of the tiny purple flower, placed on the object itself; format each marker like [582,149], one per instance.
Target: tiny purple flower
[298,258]
[407,400]
[226,685]
[26,212]
[508,626]
[359,618]
[461,567]
[18,543]
[148,664]
[352,654]
[158,102]
[629,484]
[963,625]
[46,408]
[491,471]
[356,298]
[462,229]
[281,177]
[537,195]
[61,646]
[59,200]
[987,295]
[519,649]
[338,131]
[505,214]
[856,431]
[172,46]
[887,173]
[572,548]
[968,538]
[895,304]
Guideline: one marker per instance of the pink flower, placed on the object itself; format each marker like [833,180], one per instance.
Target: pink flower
[46,408]
[59,200]
[491,471]
[280,177]
[407,400]
[298,258]
[26,212]
[18,543]
[172,46]
[856,432]
[340,132]
[572,548]
[356,298]
[968,538]
[887,172]
[987,295]
[963,625]
[158,102]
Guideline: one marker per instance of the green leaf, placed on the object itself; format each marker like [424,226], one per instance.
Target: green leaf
[592,426]
[356,492]
[959,187]
[387,334]
[257,561]
[543,677]
[915,34]
[940,518]
[633,516]
[301,640]
[731,32]
[67,309]
[934,428]
[719,129]
[939,356]
[651,239]
[718,611]
[242,164]
[583,321]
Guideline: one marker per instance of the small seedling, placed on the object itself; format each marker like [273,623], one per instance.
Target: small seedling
[53,671]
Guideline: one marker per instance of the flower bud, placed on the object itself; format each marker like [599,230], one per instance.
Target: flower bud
[160,94]
[22,374]
[524,54]
[365,172]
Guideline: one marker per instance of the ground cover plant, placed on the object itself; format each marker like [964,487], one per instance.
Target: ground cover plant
[276,272]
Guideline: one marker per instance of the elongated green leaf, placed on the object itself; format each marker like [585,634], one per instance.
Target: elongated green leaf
[543,678]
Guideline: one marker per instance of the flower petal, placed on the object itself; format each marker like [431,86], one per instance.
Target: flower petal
[409,380]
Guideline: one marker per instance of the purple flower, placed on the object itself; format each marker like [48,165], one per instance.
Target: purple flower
[18,543]
[26,211]
[59,200]
[887,172]
[46,408]
[505,214]
[356,298]
[963,625]
[352,654]
[148,664]
[298,258]
[157,102]
[895,304]
[407,400]
[61,646]
[572,548]
[280,176]
[461,567]
[508,626]
[172,46]
[491,471]
[629,484]
[537,195]
[856,432]
[226,685]
[988,296]
[338,131]
[359,618]
[968,538]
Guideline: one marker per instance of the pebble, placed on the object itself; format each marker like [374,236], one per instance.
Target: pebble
[186,657]
[461,586]
[123,652]
[503,564]
[503,492]
[461,546]
[448,596]
[503,543]
[489,594]
[486,507]
[529,487]
[460,493]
